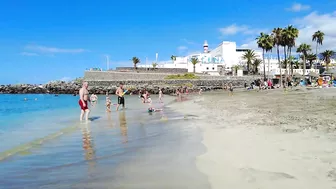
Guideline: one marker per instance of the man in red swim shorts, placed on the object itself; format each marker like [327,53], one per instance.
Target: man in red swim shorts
[83,101]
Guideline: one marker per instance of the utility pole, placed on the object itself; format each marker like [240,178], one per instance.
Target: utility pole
[107,62]
[268,67]
[156,57]
[146,64]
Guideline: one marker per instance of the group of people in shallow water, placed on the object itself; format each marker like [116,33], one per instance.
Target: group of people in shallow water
[144,95]
[84,99]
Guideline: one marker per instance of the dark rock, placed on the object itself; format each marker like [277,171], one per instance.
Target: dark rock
[134,86]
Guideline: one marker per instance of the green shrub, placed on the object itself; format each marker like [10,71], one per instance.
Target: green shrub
[184,76]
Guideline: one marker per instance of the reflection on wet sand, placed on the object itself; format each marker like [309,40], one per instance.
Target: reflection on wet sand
[89,148]
[109,120]
[123,126]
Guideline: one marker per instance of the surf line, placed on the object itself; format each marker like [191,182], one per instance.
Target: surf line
[35,143]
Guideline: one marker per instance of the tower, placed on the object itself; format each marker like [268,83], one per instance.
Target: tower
[205,46]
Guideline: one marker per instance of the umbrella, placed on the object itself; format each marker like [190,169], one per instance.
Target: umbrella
[329,72]
[297,75]
[313,74]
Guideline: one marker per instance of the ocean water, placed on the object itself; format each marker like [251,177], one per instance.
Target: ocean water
[44,145]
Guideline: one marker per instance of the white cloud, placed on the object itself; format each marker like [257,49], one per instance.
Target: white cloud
[182,48]
[307,26]
[28,54]
[188,41]
[44,49]
[297,7]
[65,79]
[313,22]
[194,52]
[234,29]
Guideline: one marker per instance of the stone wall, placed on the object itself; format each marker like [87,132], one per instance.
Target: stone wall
[101,82]
[124,76]
[199,83]
[151,70]
[168,86]
[132,76]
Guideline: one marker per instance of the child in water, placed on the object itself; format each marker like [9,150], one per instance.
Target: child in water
[160,95]
[108,104]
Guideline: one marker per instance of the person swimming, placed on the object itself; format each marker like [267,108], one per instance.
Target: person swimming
[150,110]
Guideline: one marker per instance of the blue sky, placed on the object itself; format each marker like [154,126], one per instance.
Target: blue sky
[51,40]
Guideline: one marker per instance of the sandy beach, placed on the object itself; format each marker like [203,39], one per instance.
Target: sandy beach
[267,139]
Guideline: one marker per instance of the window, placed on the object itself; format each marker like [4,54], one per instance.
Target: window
[207,68]
[213,68]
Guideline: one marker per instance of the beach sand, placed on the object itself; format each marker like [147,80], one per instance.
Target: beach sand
[267,139]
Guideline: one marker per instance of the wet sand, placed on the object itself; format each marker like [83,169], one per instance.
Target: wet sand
[128,149]
[267,139]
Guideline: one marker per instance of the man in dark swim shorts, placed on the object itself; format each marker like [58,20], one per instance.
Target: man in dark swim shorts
[120,94]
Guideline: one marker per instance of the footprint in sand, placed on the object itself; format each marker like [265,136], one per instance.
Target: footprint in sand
[253,174]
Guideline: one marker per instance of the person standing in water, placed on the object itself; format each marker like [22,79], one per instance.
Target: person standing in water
[108,104]
[83,101]
[230,89]
[120,94]
[200,91]
[160,95]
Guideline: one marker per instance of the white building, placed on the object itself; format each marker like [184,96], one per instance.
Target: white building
[213,62]
[223,57]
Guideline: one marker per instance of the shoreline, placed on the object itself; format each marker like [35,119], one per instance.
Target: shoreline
[128,148]
[269,139]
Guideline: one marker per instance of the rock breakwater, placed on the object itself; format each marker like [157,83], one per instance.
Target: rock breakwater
[101,87]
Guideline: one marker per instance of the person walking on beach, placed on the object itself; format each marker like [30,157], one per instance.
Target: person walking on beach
[120,94]
[83,101]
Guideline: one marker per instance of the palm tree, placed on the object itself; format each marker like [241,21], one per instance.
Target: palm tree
[173,58]
[327,54]
[292,33]
[135,61]
[154,64]
[265,42]
[284,64]
[277,36]
[311,57]
[304,48]
[290,61]
[289,34]
[256,64]
[249,56]
[194,61]
[235,69]
[318,37]
[297,64]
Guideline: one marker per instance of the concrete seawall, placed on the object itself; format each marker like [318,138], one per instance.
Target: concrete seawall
[107,81]
[152,70]
[132,76]
[195,83]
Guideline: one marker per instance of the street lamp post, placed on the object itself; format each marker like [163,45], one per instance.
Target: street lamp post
[146,64]
[107,62]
